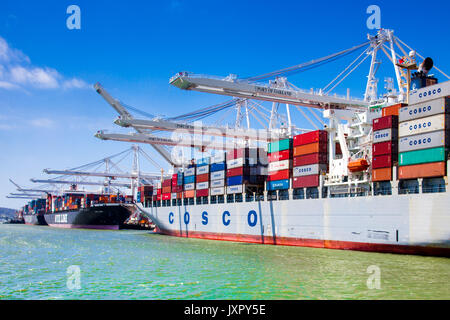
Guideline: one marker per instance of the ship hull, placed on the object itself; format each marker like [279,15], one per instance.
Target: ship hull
[34,219]
[106,216]
[397,224]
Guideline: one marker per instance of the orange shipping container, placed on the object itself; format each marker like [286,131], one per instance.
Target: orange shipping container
[166,189]
[392,110]
[383,174]
[426,170]
[189,194]
[310,148]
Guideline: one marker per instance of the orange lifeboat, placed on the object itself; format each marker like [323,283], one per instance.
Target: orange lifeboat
[358,165]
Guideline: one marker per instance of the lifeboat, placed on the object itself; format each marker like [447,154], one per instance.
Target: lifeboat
[358,165]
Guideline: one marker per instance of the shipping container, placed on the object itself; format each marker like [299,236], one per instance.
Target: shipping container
[179,195]
[235,163]
[202,185]
[279,145]
[392,110]
[202,170]
[383,161]
[158,197]
[202,192]
[189,172]
[177,189]
[241,171]
[218,175]
[384,123]
[426,170]
[235,189]
[384,135]
[279,175]
[203,162]
[242,153]
[280,155]
[388,147]
[217,191]
[310,137]
[423,125]
[310,159]
[166,196]
[429,93]
[189,179]
[218,158]
[426,109]
[217,183]
[280,165]
[166,189]
[316,147]
[309,169]
[278,185]
[189,194]
[382,174]
[218,167]
[422,156]
[189,186]
[424,141]
[232,181]
[202,178]
[305,181]
[174,195]
[167,183]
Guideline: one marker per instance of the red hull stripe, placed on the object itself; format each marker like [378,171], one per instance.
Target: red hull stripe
[314,243]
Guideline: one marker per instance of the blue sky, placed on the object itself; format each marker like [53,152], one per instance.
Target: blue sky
[49,111]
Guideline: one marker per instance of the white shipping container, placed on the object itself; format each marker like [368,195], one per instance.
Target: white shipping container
[433,139]
[384,135]
[174,195]
[202,185]
[423,125]
[280,165]
[218,158]
[217,183]
[217,175]
[234,189]
[189,186]
[217,191]
[235,163]
[421,110]
[429,93]
[155,191]
[189,172]
[311,169]
[202,170]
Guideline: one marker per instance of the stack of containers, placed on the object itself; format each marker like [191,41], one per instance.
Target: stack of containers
[202,178]
[177,188]
[384,147]
[159,192]
[217,170]
[166,189]
[155,193]
[189,182]
[144,193]
[424,139]
[310,158]
[280,165]
[243,169]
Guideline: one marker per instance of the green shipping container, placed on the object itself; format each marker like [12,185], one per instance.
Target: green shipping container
[279,145]
[422,156]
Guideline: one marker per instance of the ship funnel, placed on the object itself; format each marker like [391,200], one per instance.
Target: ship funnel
[426,66]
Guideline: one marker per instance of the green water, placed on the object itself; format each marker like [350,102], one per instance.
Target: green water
[140,265]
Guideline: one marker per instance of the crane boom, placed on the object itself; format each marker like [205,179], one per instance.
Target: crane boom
[151,139]
[245,89]
[126,115]
[113,184]
[104,174]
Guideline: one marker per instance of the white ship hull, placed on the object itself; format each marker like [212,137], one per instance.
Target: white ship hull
[413,224]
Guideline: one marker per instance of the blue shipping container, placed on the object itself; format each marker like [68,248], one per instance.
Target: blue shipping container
[189,179]
[202,162]
[232,181]
[278,185]
[217,167]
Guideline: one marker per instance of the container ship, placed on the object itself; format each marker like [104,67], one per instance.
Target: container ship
[33,212]
[373,179]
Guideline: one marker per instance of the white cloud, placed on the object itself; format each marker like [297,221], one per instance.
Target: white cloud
[17,72]
[42,123]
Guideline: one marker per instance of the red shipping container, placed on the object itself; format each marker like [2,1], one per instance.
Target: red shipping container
[166,196]
[166,189]
[384,123]
[177,189]
[387,147]
[310,137]
[279,175]
[167,183]
[175,176]
[384,161]
[203,177]
[279,156]
[311,158]
[202,193]
[241,171]
[158,197]
[155,198]
[159,191]
[237,153]
[305,181]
